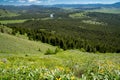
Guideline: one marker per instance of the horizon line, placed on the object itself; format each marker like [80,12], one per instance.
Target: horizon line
[57,4]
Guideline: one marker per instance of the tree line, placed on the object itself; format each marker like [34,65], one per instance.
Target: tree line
[68,35]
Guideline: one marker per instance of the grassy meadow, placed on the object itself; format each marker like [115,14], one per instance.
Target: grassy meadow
[12,21]
[22,59]
[6,13]
[106,10]
[12,45]
[93,22]
[79,15]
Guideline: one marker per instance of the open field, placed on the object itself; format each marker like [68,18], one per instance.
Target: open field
[78,15]
[107,10]
[12,21]
[22,59]
[93,22]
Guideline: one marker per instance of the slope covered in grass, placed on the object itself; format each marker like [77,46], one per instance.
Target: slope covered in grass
[107,10]
[65,65]
[12,21]
[6,13]
[13,45]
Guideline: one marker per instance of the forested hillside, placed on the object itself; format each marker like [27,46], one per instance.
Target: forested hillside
[68,29]
[6,13]
[75,33]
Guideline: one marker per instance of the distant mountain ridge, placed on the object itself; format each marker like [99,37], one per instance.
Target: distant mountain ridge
[57,6]
[116,5]
[6,13]
[26,7]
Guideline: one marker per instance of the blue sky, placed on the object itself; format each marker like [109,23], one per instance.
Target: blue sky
[50,2]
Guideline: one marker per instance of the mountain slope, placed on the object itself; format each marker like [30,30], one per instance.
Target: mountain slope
[88,6]
[12,44]
[117,5]
[57,6]
[6,13]
[65,65]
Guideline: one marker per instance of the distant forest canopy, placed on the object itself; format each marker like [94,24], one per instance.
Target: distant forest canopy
[69,28]
[74,34]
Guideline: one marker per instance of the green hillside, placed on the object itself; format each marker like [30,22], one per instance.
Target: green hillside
[12,21]
[6,13]
[13,45]
[21,59]
[107,10]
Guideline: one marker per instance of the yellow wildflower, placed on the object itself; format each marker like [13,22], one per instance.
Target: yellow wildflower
[101,71]
[109,62]
[1,63]
[68,70]
[58,78]
[61,68]
[72,78]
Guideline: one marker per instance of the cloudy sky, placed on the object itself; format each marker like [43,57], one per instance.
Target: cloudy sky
[50,2]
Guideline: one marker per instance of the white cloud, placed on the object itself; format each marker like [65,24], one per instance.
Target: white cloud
[35,1]
[50,0]
[32,0]
[22,1]
[38,1]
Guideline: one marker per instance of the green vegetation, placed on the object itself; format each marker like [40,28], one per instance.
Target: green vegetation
[78,15]
[77,45]
[5,29]
[12,21]
[74,33]
[24,59]
[51,52]
[65,65]
[6,13]
[106,10]
[15,45]
[47,18]
[93,22]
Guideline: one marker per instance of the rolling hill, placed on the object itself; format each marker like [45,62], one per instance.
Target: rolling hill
[88,6]
[106,10]
[6,13]
[12,45]
[20,59]
[88,42]
[58,6]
